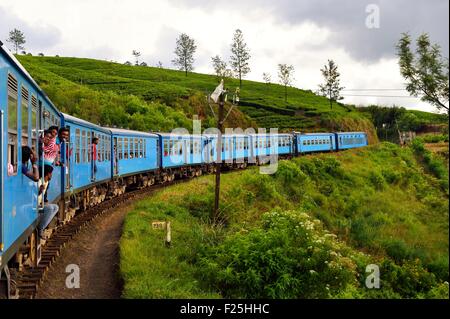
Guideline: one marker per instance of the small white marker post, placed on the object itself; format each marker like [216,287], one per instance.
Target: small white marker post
[168,234]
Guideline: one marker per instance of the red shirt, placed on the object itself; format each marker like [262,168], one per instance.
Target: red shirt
[94,152]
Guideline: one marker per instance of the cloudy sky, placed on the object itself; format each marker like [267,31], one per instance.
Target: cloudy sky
[304,33]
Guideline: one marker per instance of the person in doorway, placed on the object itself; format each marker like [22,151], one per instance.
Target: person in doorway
[48,211]
[94,153]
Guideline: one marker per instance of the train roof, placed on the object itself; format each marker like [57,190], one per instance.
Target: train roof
[179,135]
[84,123]
[315,134]
[120,131]
[349,133]
[5,51]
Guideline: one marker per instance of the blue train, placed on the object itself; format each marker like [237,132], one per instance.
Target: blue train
[124,159]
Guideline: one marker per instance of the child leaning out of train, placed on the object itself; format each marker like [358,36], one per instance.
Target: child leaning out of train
[49,210]
[29,156]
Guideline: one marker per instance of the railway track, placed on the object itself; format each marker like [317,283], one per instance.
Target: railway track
[27,281]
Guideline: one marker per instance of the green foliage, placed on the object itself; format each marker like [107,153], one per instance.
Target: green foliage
[427,72]
[433,163]
[434,138]
[291,256]
[377,200]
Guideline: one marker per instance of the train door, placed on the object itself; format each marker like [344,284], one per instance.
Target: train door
[93,151]
[115,157]
[3,164]
[67,152]
[186,151]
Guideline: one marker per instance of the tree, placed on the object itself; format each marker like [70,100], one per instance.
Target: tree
[267,78]
[41,54]
[127,63]
[17,38]
[286,76]
[240,56]
[143,64]
[427,73]
[331,88]
[184,51]
[220,66]
[136,55]
[159,65]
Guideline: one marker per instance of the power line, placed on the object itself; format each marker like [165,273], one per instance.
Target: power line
[396,96]
[374,90]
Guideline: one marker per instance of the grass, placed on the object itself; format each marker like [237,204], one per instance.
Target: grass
[261,105]
[382,204]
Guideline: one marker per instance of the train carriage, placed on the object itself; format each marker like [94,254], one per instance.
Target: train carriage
[284,143]
[347,140]
[85,168]
[133,152]
[25,111]
[315,142]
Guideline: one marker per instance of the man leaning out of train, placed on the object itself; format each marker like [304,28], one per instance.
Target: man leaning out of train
[49,210]
[29,156]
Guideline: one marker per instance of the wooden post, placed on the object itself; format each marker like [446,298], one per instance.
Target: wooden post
[219,156]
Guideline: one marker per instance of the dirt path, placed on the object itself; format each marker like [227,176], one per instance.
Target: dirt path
[95,249]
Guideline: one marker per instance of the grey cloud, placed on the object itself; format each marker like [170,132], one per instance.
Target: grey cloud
[346,20]
[38,37]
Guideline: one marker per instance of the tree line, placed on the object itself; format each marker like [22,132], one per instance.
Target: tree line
[425,71]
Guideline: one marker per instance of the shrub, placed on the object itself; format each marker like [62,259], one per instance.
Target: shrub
[377,180]
[290,257]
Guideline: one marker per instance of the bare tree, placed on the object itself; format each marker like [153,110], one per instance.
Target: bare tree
[240,55]
[427,73]
[286,76]
[136,55]
[184,51]
[267,78]
[331,88]
[17,38]
[159,65]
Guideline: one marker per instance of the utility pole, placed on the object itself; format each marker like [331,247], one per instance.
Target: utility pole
[219,155]
[220,96]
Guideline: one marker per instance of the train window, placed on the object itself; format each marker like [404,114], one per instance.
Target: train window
[12,125]
[100,148]
[119,149]
[89,147]
[144,142]
[131,150]
[107,148]
[24,110]
[166,148]
[125,148]
[103,147]
[136,148]
[34,122]
[83,146]
[77,146]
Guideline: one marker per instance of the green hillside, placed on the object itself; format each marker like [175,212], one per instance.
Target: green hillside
[308,231]
[261,104]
